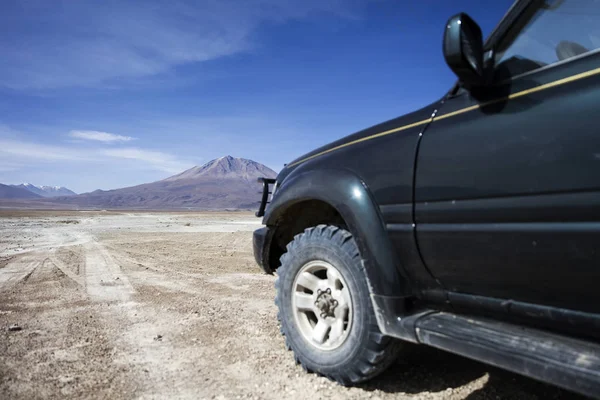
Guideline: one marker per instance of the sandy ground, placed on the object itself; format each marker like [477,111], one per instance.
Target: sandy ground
[172,305]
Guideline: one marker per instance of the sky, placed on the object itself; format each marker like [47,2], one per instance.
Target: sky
[114,93]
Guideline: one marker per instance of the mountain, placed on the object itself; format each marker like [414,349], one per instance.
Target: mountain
[46,191]
[223,183]
[226,168]
[12,192]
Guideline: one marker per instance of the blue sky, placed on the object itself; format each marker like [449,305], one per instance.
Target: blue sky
[106,94]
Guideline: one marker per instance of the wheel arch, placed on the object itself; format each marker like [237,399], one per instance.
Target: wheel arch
[336,197]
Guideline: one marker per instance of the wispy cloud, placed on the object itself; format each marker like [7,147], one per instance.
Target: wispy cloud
[159,160]
[100,136]
[26,154]
[114,42]
[21,150]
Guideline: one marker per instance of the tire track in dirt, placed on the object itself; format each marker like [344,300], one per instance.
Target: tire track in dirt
[65,349]
[65,269]
[19,269]
[104,280]
[136,324]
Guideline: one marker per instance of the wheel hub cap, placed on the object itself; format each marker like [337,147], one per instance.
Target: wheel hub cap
[326,303]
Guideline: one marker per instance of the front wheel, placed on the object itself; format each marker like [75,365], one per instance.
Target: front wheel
[325,308]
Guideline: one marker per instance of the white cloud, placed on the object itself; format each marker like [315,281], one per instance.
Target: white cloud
[156,159]
[100,136]
[29,155]
[38,152]
[113,42]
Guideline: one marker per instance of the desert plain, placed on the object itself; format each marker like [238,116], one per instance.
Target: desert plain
[156,305]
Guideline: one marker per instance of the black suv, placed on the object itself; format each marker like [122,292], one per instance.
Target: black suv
[471,225]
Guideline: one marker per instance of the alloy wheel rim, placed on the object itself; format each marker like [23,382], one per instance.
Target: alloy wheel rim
[322,305]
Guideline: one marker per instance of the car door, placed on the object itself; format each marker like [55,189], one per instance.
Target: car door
[507,196]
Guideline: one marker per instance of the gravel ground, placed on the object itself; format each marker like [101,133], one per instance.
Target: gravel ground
[172,305]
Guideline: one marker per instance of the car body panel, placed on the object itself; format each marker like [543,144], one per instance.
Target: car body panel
[382,159]
[517,200]
[348,195]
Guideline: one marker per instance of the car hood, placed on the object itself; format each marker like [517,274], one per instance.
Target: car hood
[404,120]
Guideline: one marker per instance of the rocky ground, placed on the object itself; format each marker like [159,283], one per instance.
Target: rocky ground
[172,305]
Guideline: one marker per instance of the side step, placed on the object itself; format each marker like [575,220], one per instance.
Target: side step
[566,362]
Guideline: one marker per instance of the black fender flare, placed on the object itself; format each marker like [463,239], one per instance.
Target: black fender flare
[348,194]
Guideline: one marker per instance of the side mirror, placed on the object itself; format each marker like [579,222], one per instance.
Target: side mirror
[463,50]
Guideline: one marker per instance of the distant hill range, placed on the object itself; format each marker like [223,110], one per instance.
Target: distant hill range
[15,192]
[46,191]
[223,183]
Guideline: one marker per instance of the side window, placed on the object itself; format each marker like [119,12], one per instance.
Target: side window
[549,31]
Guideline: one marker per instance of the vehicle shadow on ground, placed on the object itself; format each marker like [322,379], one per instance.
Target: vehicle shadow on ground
[424,369]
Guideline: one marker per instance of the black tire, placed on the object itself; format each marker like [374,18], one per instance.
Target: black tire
[365,352]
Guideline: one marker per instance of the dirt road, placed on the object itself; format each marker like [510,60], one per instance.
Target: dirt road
[167,305]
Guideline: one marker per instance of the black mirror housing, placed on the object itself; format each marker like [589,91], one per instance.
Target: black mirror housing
[463,50]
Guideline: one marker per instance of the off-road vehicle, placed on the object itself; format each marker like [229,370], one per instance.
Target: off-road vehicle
[471,225]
